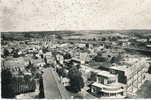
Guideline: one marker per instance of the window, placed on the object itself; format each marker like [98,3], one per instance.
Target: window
[112,94]
[111,81]
[93,89]
[105,81]
[122,93]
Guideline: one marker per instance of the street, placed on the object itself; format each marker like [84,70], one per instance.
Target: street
[51,90]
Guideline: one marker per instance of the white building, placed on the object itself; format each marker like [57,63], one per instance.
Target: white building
[132,73]
[119,81]
[83,57]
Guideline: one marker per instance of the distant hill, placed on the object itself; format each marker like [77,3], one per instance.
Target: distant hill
[41,34]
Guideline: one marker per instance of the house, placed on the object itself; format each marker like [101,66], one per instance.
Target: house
[49,57]
[60,58]
[65,81]
[148,46]
[81,45]
[83,57]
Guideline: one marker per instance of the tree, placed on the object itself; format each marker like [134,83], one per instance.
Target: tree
[99,58]
[45,60]
[103,39]
[149,70]
[68,64]
[62,72]
[6,52]
[76,80]
[59,37]
[78,66]
[114,38]
[29,65]
[27,35]
[15,53]
[3,36]
[93,76]
[115,59]
[45,49]
[94,39]
[67,56]
[34,56]
[41,88]
[7,89]
[32,68]
[87,45]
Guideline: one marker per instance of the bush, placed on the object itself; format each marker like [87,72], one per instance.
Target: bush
[76,80]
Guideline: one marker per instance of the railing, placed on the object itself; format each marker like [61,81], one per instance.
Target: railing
[112,89]
[118,90]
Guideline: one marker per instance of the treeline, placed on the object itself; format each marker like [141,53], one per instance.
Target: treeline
[27,35]
[149,70]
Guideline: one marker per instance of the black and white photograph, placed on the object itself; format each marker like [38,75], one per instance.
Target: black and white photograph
[75,49]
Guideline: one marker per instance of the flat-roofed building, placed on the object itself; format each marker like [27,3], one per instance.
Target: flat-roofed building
[127,76]
[106,84]
[131,73]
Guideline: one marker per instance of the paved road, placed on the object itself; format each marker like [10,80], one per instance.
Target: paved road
[51,90]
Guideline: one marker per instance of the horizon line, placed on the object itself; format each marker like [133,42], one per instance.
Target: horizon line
[80,30]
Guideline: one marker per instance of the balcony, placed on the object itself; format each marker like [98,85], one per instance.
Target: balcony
[110,88]
[118,90]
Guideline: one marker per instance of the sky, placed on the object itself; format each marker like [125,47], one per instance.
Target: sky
[47,15]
